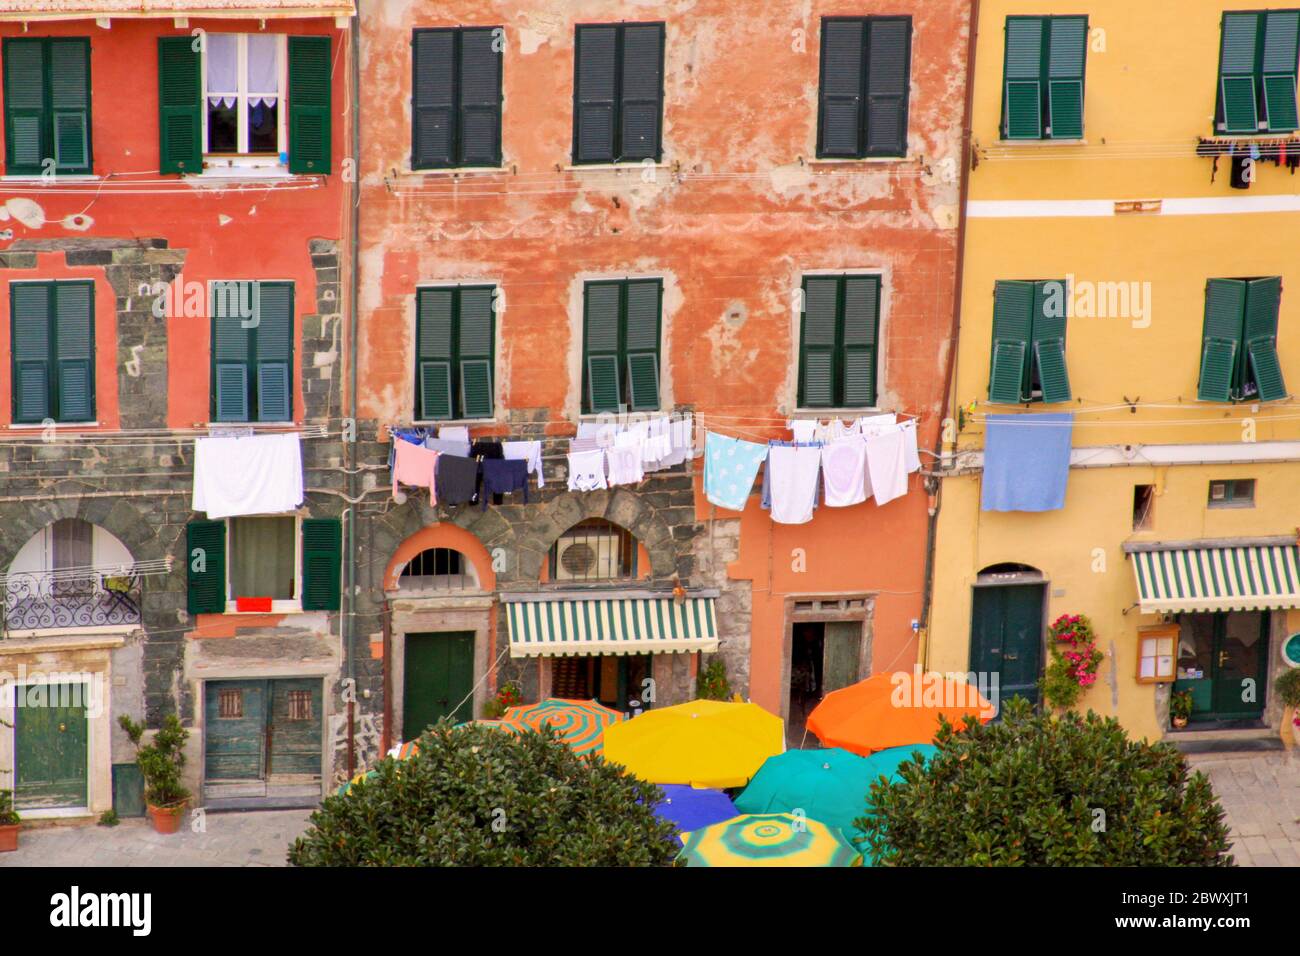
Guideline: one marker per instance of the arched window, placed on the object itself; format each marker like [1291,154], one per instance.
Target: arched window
[438,569]
[71,574]
[593,550]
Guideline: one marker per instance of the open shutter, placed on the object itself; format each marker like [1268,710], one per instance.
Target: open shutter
[1050,314]
[180,106]
[322,559]
[1263,298]
[1023,94]
[643,307]
[841,88]
[595,89]
[817,342]
[1067,54]
[861,321]
[433,353]
[75,351]
[274,351]
[1013,306]
[70,104]
[1281,51]
[888,66]
[642,92]
[600,349]
[231,350]
[480,98]
[309,104]
[205,566]
[1225,304]
[432,98]
[25,115]
[1237,73]
[475,354]
[31,306]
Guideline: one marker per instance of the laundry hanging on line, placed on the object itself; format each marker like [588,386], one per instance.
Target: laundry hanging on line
[253,475]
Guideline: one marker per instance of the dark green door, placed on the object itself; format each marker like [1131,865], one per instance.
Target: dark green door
[841,655]
[295,727]
[1240,665]
[236,730]
[50,736]
[439,680]
[1007,638]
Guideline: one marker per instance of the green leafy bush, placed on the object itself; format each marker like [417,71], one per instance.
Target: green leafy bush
[161,761]
[109,818]
[8,815]
[1033,790]
[475,796]
[1288,687]
[711,683]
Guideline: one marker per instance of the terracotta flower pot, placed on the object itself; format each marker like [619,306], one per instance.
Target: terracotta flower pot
[166,819]
[9,837]
[1179,722]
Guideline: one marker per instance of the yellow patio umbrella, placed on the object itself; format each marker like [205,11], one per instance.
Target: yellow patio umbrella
[705,743]
[768,839]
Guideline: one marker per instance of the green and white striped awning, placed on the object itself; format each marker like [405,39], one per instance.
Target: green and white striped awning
[571,627]
[1251,578]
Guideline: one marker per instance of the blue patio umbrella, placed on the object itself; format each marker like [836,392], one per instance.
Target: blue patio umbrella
[691,809]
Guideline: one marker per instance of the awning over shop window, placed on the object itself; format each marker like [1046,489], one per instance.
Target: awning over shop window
[588,626]
[1248,578]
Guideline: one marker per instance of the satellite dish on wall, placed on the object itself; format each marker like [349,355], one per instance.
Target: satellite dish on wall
[1291,650]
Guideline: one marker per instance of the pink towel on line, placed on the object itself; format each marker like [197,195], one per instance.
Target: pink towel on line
[414,465]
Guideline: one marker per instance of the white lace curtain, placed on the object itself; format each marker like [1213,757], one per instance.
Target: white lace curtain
[262,82]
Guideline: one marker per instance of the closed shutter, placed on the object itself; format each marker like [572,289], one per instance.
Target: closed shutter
[232,351]
[26,118]
[642,91]
[1067,53]
[841,88]
[643,310]
[274,339]
[1263,298]
[1050,313]
[205,566]
[75,351]
[1023,93]
[434,353]
[322,556]
[31,307]
[180,113]
[1281,36]
[1225,304]
[433,99]
[480,98]
[70,104]
[888,66]
[1237,72]
[309,104]
[600,346]
[595,94]
[861,324]
[475,352]
[1013,305]
[817,342]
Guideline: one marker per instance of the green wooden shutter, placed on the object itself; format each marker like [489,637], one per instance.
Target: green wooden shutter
[475,352]
[643,313]
[433,55]
[840,115]
[1237,73]
[1225,304]
[861,325]
[70,104]
[26,118]
[817,336]
[1050,313]
[1013,307]
[309,104]
[888,72]
[1022,83]
[1281,51]
[434,353]
[322,558]
[600,346]
[232,351]
[31,306]
[641,100]
[74,350]
[1067,54]
[595,92]
[480,98]
[1263,299]
[274,340]
[180,106]
[205,566]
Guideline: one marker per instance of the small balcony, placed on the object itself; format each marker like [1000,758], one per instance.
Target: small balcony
[57,600]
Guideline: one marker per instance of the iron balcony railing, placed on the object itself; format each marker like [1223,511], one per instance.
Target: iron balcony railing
[50,600]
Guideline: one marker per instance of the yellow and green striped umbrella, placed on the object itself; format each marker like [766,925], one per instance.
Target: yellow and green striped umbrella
[580,723]
[363,775]
[768,839]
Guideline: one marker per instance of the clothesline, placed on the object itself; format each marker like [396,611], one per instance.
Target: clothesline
[150,568]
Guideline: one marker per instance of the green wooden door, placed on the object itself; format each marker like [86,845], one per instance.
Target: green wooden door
[1240,665]
[50,748]
[841,652]
[235,723]
[439,680]
[295,727]
[1007,638]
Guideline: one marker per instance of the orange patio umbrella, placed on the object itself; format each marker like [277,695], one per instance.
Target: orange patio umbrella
[894,710]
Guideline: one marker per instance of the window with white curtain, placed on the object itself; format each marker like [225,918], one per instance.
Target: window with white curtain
[243,80]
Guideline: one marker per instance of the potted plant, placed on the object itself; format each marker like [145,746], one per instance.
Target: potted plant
[508,696]
[1074,664]
[1287,686]
[8,822]
[161,763]
[1180,708]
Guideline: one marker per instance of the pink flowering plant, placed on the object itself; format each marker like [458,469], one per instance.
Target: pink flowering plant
[1075,660]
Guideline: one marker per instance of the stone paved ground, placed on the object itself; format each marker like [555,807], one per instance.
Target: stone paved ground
[1261,795]
[231,839]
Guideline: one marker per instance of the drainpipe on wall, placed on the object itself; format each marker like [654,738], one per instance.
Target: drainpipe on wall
[386,735]
[350,448]
[936,490]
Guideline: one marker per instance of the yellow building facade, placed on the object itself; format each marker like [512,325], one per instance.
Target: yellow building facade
[1178,533]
